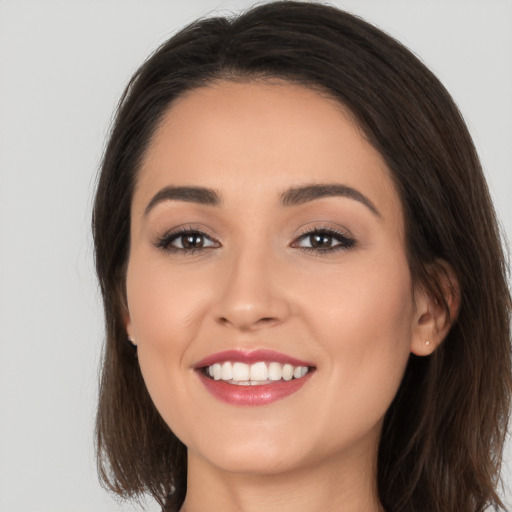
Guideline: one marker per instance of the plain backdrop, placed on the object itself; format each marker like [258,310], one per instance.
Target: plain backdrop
[63,65]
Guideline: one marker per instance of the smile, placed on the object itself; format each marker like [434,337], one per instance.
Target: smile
[253,378]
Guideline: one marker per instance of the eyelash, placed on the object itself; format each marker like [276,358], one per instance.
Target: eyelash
[345,242]
[164,243]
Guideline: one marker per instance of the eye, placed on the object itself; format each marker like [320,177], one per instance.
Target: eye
[324,240]
[186,241]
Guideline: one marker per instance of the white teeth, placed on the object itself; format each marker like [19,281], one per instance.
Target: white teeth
[240,371]
[217,371]
[255,374]
[258,371]
[227,371]
[275,371]
[287,372]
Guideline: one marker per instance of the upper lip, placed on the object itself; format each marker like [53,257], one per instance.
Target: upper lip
[250,357]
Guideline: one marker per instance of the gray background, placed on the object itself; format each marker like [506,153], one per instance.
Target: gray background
[63,65]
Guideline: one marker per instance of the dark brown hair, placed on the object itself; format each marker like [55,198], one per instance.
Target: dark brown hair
[443,435]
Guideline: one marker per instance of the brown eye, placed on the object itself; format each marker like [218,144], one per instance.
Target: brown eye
[186,241]
[324,240]
[192,241]
[321,240]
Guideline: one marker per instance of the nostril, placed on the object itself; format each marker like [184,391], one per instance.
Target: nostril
[247,325]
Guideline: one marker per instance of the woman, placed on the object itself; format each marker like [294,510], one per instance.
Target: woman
[304,287]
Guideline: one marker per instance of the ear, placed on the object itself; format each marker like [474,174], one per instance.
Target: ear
[435,312]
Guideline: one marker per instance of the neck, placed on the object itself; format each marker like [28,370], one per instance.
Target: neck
[347,485]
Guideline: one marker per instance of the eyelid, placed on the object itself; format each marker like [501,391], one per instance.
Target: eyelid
[346,239]
[313,227]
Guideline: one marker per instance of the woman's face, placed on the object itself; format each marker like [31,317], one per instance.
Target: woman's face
[267,240]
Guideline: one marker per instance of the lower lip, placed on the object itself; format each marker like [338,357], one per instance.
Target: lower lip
[252,395]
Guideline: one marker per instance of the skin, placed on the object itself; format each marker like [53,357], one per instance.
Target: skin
[353,312]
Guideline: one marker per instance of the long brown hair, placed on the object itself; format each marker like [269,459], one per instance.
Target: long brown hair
[443,435]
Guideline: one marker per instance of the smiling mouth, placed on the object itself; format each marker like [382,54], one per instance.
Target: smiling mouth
[253,377]
[257,374]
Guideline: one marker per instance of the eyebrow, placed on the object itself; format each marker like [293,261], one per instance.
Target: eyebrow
[301,195]
[200,195]
[292,197]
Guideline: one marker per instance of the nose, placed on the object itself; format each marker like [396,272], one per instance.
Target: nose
[251,297]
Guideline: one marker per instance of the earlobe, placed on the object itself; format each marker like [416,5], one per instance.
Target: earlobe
[427,335]
[129,331]
[436,309]
[127,322]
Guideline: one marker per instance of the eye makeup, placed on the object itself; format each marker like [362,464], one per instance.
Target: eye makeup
[191,240]
[324,240]
[185,240]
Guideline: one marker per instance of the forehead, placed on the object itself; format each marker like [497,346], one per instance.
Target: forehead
[250,138]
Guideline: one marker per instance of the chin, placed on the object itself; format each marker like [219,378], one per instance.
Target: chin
[254,459]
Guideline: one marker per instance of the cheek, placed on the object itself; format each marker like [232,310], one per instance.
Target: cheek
[365,299]
[164,305]
[166,308]
[362,319]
